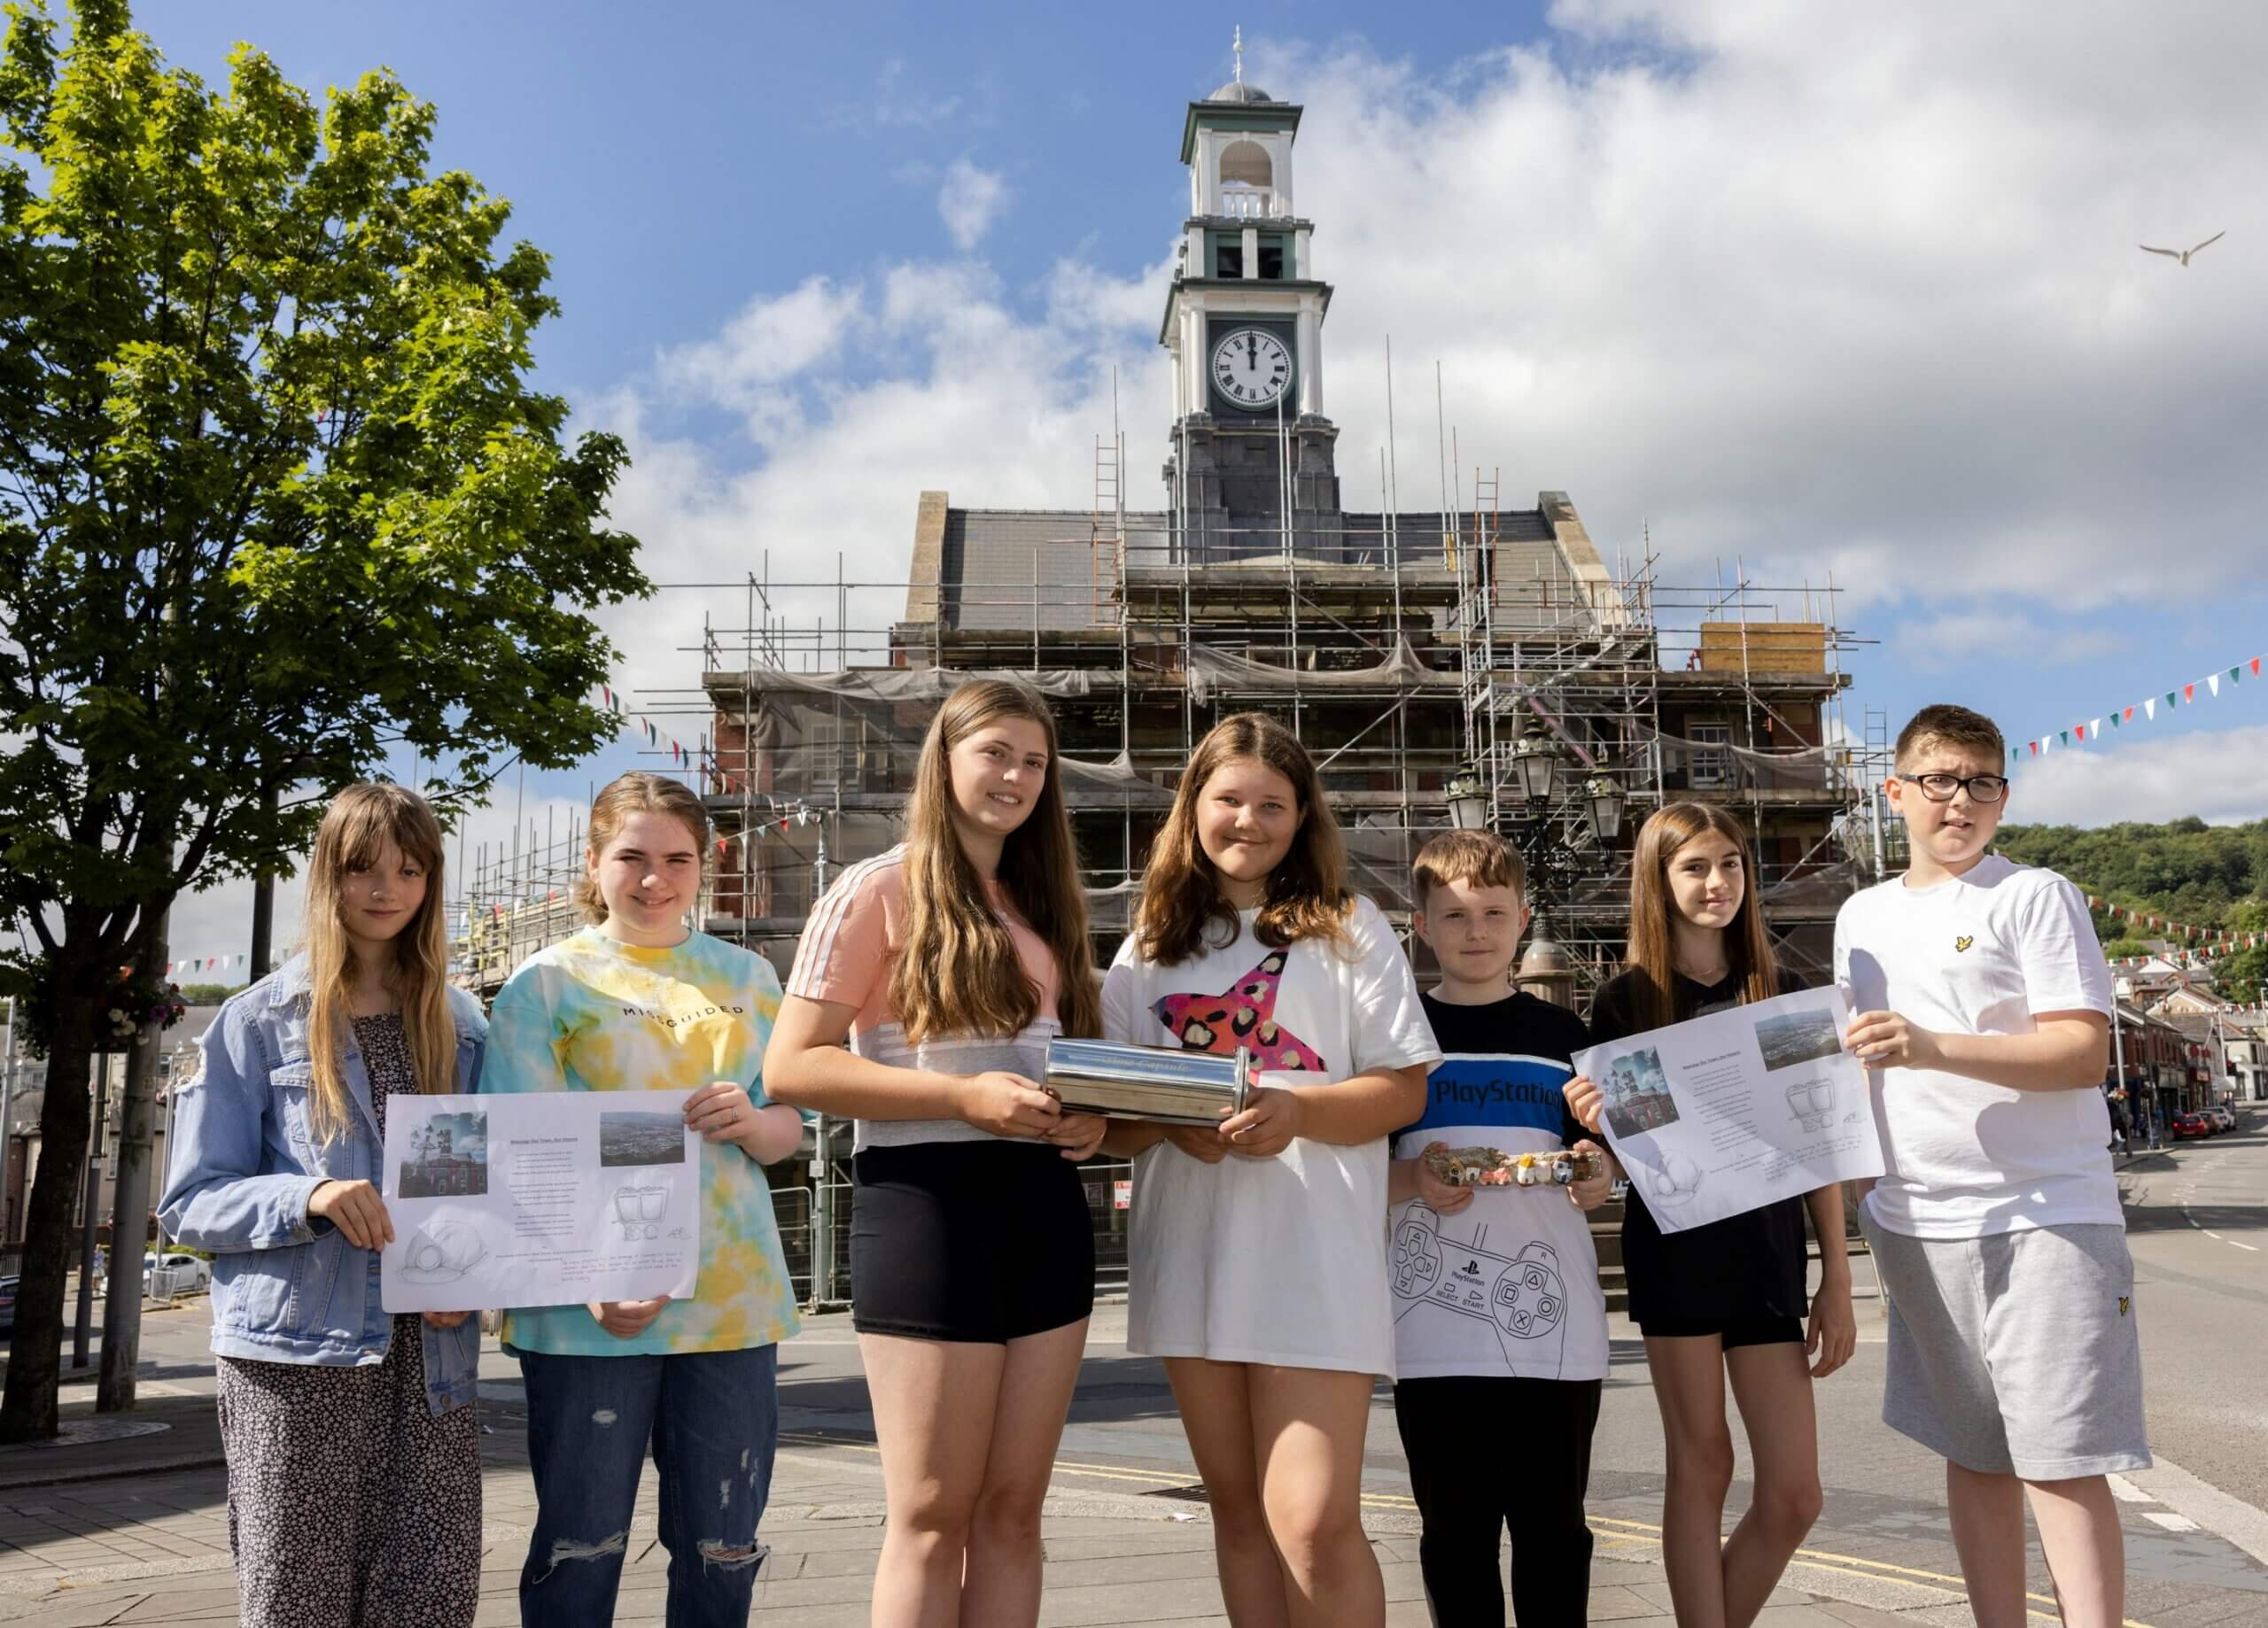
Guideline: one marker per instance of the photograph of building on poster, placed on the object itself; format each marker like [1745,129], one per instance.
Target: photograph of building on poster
[1637,1096]
[448,1158]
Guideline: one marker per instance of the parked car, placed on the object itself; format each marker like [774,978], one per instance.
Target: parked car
[2224,1116]
[8,1305]
[2189,1124]
[188,1274]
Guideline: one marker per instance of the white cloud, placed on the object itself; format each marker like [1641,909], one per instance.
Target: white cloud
[1877,312]
[2220,776]
[1876,309]
[768,344]
[895,104]
[958,391]
[1948,640]
[970,201]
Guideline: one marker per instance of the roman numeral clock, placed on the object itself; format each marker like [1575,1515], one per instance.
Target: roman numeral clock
[1251,367]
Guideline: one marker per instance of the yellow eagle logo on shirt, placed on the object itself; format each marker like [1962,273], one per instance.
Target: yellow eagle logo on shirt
[1964,940]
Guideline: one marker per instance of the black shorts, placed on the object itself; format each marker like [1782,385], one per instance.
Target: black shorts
[1735,1332]
[983,1242]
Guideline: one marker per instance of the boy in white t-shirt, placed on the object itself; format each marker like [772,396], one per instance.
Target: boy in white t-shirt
[1983,1007]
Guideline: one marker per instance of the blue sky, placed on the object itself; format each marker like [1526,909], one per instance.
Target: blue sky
[1701,265]
[672,167]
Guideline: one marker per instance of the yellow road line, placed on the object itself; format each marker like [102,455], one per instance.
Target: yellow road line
[1635,1532]
[1847,1565]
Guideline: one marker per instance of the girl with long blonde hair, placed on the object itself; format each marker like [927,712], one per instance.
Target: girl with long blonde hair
[1257,1258]
[326,1402]
[640,1001]
[1727,1298]
[948,964]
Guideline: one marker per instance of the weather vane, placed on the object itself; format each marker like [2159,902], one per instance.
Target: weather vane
[1237,47]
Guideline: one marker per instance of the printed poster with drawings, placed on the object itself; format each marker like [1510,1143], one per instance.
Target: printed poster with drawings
[539,1198]
[1737,1109]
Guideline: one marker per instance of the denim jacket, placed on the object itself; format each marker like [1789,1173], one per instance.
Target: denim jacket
[288,1287]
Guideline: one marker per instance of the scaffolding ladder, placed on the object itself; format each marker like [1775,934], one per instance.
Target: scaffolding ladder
[1107,533]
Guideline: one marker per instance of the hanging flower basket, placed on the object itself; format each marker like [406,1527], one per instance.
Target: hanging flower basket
[131,1002]
[126,1003]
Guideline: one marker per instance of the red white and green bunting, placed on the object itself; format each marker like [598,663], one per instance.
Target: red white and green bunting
[659,739]
[2144,711]
[770,825]
[2196,942]
[204,964]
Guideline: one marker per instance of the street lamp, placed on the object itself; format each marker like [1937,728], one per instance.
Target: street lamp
[1468,803]
[1535,764]
[1605,797]
[1537,771]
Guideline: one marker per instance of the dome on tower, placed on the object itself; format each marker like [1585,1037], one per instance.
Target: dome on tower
[1237,90]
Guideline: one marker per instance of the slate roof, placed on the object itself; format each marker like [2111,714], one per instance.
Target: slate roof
[989,556]
[986,571]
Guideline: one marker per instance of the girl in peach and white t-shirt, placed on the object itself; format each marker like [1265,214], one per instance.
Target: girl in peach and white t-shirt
[948,964]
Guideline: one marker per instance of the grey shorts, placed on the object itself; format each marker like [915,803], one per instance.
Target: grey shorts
[2015,1353]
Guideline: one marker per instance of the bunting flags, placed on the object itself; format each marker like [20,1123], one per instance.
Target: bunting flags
[2213,941]
[204,964]
[680,755]
[2118,717]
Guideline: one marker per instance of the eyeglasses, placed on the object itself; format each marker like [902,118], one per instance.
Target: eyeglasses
[1941,788]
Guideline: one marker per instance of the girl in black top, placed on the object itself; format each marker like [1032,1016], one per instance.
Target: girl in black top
[1726,1298]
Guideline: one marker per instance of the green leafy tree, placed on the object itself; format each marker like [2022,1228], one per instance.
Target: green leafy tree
[207,994]
[275,500]
[2184,871]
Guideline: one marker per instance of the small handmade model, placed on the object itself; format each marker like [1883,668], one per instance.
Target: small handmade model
[1493,1167]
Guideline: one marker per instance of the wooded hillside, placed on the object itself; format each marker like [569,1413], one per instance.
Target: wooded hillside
[2209,876]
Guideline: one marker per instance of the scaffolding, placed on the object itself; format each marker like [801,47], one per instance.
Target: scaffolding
[1400,672]
[512,898]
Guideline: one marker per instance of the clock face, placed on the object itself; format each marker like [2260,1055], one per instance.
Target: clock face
[1251,368]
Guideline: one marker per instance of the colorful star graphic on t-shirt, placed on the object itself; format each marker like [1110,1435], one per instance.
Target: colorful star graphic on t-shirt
[1243,1020]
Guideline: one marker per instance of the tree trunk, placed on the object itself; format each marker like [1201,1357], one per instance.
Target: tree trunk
[28,1413]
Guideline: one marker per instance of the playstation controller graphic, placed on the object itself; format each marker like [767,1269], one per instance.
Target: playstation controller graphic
[1523,1296]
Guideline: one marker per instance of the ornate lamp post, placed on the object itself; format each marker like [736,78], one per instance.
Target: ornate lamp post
[1538,826]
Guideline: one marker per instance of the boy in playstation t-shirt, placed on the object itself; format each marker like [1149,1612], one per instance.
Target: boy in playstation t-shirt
[1500,1325]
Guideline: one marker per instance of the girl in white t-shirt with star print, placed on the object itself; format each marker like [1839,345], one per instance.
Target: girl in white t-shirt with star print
[1257,1260]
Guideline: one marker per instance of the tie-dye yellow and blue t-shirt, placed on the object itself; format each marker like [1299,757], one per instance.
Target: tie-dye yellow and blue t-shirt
[593,1014]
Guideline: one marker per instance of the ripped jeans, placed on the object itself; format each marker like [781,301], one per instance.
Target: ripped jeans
[713,1418]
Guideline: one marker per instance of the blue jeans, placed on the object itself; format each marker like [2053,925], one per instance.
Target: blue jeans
[713,1418]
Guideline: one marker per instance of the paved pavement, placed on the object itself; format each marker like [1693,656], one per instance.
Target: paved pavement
[113,1528]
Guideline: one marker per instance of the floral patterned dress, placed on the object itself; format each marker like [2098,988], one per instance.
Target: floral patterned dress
[351,1505]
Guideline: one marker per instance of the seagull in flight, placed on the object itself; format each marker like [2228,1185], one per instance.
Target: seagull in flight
[2183,255]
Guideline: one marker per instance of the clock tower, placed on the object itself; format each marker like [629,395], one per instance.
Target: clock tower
[1251,470]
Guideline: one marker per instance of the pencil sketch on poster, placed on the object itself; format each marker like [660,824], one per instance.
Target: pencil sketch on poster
[1737,1109]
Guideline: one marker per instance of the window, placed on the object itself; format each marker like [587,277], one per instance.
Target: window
[1710,769]
[1271,262]
[1228,259]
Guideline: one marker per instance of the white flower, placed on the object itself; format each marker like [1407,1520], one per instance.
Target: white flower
[116,1016]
